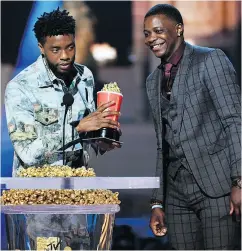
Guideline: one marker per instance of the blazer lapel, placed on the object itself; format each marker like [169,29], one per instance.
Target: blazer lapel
[153,90]
[154,94]
[179,85]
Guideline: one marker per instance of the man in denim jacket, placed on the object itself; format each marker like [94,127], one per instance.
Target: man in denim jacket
[33,98]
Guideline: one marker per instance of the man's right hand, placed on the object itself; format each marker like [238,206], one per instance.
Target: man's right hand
[157,222]
[98,119]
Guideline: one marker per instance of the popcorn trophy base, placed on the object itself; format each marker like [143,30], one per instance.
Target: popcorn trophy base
[60,227]
[65,227]
[107,135]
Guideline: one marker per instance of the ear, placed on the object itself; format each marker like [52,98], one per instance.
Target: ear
[179,30]
[42,50]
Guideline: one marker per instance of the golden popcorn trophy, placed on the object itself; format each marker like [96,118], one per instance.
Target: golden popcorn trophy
[110,92]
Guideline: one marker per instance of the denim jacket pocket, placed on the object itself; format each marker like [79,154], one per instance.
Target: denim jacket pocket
[47,116]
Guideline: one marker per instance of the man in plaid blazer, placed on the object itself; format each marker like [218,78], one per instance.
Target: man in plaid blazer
[195,103]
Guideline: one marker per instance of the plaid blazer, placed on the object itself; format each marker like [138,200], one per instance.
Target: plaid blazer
[208,118]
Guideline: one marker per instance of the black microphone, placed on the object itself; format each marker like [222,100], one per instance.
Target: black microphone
[67,101]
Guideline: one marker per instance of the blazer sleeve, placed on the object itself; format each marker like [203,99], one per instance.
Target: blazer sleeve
[220,79]
[157,193]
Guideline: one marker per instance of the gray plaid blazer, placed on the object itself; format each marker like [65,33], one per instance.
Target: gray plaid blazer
[208,118]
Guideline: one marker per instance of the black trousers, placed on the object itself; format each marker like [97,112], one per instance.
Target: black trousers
[196,221]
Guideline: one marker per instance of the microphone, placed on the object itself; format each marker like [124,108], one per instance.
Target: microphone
[67,101]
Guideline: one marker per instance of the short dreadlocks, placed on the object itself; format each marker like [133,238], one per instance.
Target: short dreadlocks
[53,24]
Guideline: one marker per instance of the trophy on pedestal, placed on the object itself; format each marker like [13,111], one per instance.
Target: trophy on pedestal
[64,208]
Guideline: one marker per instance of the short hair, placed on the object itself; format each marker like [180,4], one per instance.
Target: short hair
[166,9]
[53,24]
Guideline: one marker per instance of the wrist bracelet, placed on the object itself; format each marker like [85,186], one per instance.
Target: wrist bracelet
[157,206]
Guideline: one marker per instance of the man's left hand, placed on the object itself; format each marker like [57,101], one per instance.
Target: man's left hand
[235,202]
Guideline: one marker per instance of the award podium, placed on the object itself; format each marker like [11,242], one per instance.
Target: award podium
[65,227]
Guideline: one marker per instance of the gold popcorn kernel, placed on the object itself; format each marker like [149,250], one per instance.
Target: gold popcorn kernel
[112,87]
[57,196]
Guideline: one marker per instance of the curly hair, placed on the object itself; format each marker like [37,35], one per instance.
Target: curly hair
[166,9]
[54,23]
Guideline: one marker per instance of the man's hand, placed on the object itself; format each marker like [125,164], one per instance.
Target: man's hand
[235,202]
[157,222]
[98,119]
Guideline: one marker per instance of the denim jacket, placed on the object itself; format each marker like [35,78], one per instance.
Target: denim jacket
[35,115]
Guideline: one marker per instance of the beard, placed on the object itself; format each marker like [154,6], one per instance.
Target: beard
[60,74]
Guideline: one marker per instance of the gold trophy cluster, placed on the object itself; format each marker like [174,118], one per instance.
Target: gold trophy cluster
[58,196]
